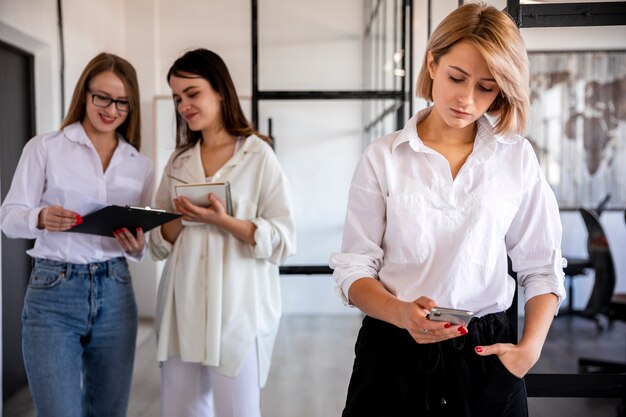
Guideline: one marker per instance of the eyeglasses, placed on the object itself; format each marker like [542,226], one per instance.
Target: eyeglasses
[103,102]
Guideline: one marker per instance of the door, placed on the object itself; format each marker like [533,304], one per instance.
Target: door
[16,127]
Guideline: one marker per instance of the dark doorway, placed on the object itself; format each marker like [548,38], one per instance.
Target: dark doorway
[17,126]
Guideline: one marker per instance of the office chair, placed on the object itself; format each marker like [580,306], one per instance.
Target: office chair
[577,267]
[602,300]
[602,262]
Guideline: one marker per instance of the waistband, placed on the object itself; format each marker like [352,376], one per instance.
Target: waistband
[69,268]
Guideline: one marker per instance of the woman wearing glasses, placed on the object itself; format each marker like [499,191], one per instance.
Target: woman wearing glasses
[80,316]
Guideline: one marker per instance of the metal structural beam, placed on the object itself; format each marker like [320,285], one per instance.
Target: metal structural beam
[576,385]
[330,95]
[567,14]
[401,95]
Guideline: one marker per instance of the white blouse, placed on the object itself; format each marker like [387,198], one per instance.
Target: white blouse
[63,168]
[420,232]
[219,295]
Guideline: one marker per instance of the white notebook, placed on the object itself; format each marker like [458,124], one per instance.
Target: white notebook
[198,194]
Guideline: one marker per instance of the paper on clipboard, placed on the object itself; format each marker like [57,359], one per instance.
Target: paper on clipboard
[198,194]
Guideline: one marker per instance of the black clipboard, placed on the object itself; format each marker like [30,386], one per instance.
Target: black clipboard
[105,221]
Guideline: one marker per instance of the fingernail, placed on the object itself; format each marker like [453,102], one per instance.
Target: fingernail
[462,330]
[478,349]
[447,326]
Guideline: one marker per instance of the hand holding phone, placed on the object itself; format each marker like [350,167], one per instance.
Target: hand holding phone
[451,315]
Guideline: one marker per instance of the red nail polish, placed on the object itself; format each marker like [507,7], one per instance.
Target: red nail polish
[462,330]
[447,326]
[478,349]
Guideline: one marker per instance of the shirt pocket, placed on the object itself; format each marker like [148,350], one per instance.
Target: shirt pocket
[491,217]
[409,234]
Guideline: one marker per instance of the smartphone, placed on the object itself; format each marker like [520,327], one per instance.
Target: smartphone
[451,315]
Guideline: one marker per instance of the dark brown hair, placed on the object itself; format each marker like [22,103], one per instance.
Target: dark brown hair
[208,65]
[103,62]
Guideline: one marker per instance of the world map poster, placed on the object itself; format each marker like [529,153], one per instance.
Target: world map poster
[577,125]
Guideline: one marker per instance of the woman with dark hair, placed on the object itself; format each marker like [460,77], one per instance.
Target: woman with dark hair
[219,297]
[80,316]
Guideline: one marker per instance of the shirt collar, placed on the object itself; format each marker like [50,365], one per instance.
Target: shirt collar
[190,163]
[485,135]
[409,132]
[76,133]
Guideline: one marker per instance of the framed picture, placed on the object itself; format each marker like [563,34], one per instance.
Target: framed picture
[577,124]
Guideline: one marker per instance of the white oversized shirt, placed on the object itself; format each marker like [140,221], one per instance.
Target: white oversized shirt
[421,233]
[63,168]
[218,295]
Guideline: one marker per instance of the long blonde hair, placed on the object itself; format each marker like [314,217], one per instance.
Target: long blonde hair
[497,38]
[103,62]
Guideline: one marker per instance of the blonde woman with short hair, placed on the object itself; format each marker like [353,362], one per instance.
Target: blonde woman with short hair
[433,212]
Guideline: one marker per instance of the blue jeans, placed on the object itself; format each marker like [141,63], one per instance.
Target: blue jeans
[78,339]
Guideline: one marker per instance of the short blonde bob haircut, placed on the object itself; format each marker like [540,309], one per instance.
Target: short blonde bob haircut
[497,38]
[103,62]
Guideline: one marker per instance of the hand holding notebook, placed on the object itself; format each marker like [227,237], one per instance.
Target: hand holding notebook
[198,194]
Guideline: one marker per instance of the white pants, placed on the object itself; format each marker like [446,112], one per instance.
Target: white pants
[194,390]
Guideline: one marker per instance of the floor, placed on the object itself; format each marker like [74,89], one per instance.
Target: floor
[322,346]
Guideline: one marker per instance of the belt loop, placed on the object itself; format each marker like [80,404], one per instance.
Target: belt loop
[68,269]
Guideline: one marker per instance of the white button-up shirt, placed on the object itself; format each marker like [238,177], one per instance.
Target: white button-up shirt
[219,295]
[63,168]
[420,232]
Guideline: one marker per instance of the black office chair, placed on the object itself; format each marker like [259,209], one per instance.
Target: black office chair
[602,301]
[602,262]
[578,267]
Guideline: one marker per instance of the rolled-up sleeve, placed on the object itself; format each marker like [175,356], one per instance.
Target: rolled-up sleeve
[361,252]
[534,237]
[275,237]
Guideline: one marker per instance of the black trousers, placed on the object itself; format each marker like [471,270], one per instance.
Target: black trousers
[393,376]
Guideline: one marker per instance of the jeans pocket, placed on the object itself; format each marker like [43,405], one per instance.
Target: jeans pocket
[43,279]
[121,273]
